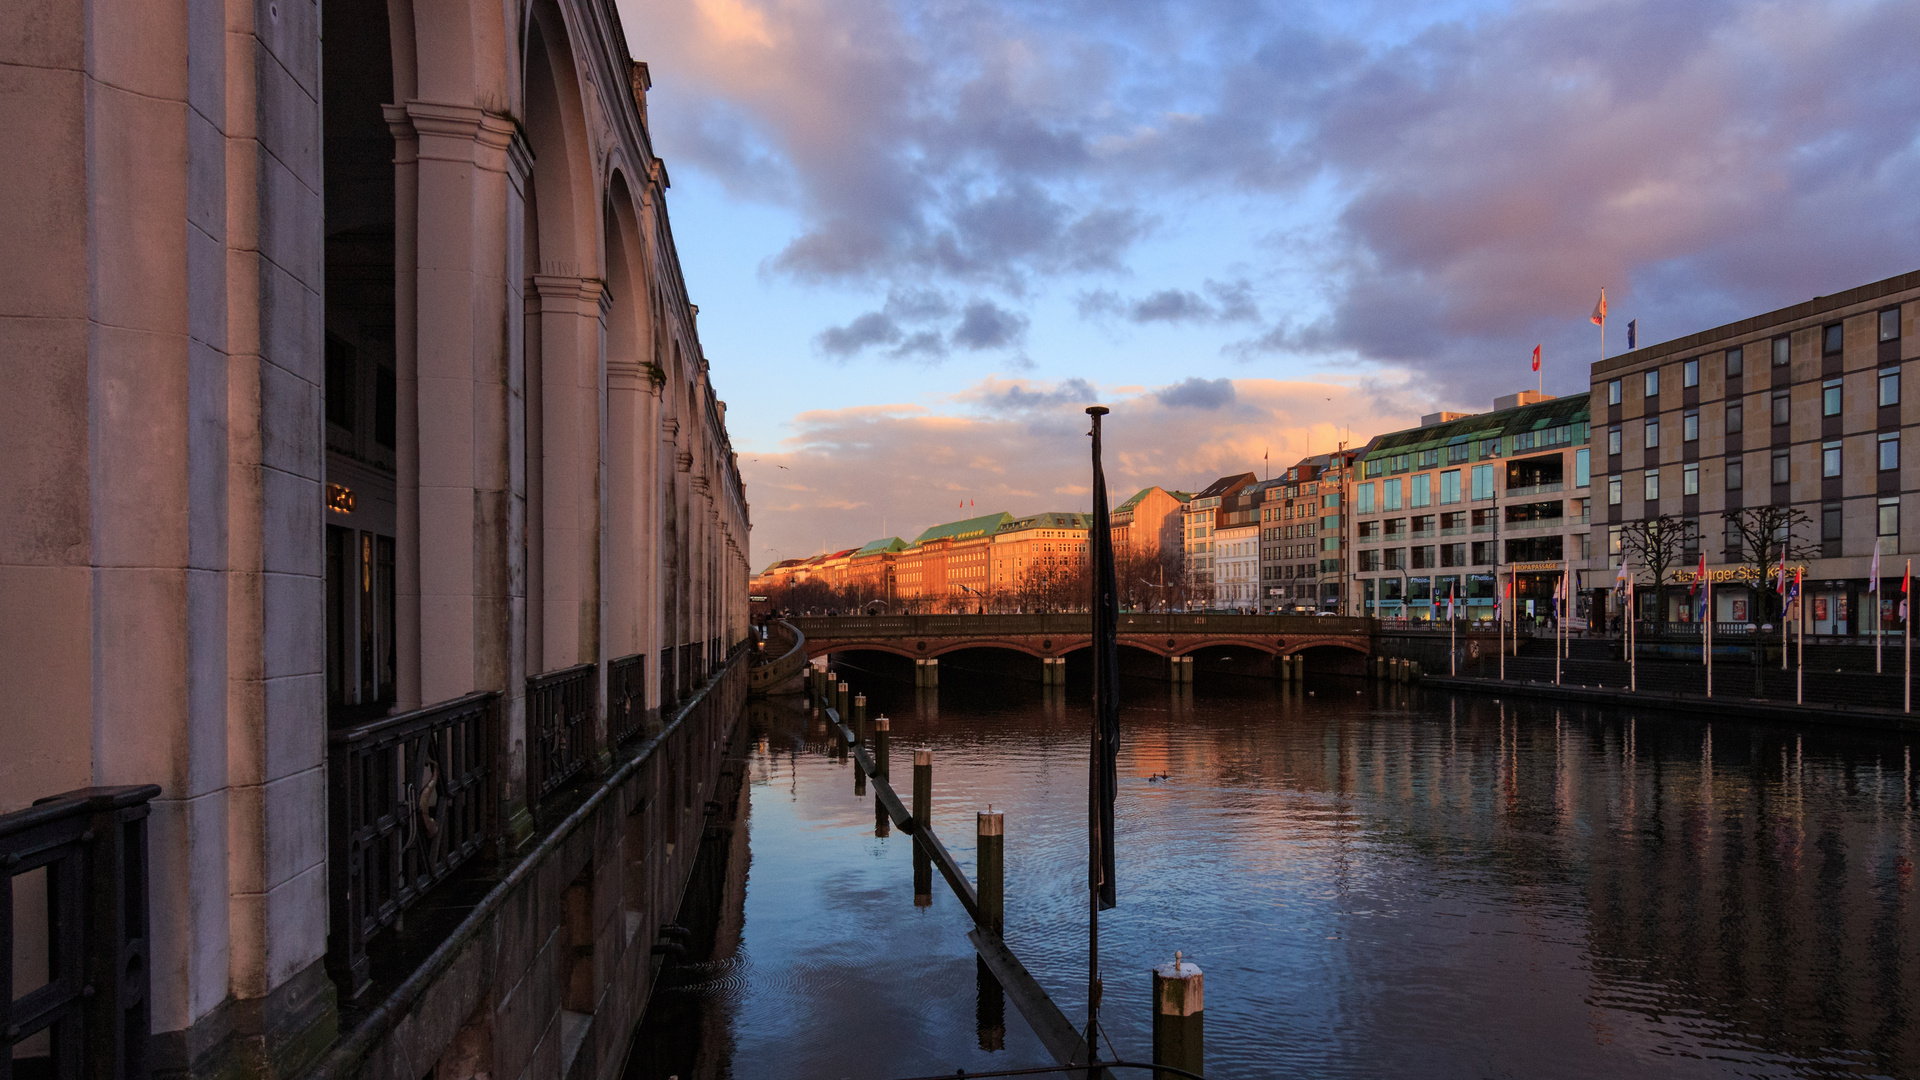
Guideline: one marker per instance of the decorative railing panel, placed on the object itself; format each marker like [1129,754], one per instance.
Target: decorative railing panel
[560,709]
[669,679]
[409,802]
[89,1014]
[626,697]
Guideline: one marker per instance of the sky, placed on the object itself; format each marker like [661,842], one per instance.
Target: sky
[924,235]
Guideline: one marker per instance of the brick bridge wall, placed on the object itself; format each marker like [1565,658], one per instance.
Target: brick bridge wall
[929,636]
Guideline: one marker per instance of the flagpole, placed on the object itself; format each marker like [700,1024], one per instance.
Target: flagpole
[1800,659]
[1499,626]
[1453,653]
[1906,618]
[1709,636]
[1633,632]
[1558,619]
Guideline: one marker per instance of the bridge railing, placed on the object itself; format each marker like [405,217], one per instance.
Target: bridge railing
[1069,624]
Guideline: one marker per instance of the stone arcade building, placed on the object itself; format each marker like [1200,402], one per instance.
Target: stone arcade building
[347,384]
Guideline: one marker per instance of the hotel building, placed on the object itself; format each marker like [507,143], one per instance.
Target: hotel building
[1460,503]
[1302,538]
[1218,506]
[1803,407]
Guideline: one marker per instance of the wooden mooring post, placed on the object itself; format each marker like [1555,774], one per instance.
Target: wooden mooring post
[922,819]
[860,719]
[1178,1018]
[990,829]
[882,736]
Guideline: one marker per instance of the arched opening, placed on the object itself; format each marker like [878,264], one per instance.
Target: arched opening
[563,360]
[360,384]
[1333,660]
[1238,660]
[629,397]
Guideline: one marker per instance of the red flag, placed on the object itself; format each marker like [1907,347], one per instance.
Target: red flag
[1699,575]
[1599,315]
[1536,358]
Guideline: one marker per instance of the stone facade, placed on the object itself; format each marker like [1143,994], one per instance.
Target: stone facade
[411,302]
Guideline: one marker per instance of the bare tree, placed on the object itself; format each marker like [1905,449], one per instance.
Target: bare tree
[1767,536]
[1660,545]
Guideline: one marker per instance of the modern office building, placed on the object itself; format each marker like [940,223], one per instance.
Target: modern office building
[1462,504]
[1215,507]
[1804,407]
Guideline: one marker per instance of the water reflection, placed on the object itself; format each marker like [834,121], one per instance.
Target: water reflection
[1377,880]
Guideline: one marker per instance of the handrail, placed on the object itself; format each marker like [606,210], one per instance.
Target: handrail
[90,846]
[762,677]
[409,802]
[560,714]
[626,697]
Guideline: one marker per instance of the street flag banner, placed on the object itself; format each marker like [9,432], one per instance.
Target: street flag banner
[1699,590]
[1793,591]
[1621,579]
[1906,586]
[1449,606]
[1633,333]
[1873,576]
[1106,679]
[1599,316]
[1536,358]
[1783,569]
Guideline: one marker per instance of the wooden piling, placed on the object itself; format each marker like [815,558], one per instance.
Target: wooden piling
[990,826]
[860,719]
[1178,1018]
[881,737]
[922,818]
[842,698]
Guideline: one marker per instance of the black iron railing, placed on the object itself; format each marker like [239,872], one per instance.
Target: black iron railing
[85,1012]
[408,803]
[560,713]
[669,679]
[688,670]
[626,697]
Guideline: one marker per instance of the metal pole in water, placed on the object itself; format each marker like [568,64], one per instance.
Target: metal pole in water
[990,828]
[881,737]
[1179,1018]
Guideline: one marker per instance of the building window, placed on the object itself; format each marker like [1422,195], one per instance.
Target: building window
[1613,392]
[1613,491]
[1482,482]
[1830,459]
[1690,479]
[1736,474]
[1449,487]
[1420,490]
[1831,339]
[1736,362]
[1781,352]
[1653,485]
[1582,469]
[1690,373]
[1736,417]
[1651,379]
[1613,441]
[1690,539]
[1363,503]
[1390,495]
[1396,558]
[1423,558]
[1482,553]
[1613,539]
[1889,524]
[1782,469]
[1652,433]
[1890,386]
[1734,541]
[1782,407]
[1830,398]
[1690,426]
[1890,324]
[1890,451]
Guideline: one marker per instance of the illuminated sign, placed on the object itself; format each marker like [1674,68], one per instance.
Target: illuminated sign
[756,599]
[340,498]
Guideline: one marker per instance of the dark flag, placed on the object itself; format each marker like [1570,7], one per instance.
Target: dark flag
[1106,679]
[1633,332]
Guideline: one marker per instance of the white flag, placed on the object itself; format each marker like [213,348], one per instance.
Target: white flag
[1873,577]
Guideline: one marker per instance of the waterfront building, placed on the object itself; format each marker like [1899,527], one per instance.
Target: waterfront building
[1462,504]
[871,570]
[1204,515]
[1148,524]
[1302,537]
[1803,407]
[949,564]
[1236,567]
[367,491]
[1035,559]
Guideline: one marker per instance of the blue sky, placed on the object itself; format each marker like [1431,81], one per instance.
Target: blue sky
[924,235]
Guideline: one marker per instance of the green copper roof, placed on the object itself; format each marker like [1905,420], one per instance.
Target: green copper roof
[889,543]
[962,530]
[1506,423]
[1052,519]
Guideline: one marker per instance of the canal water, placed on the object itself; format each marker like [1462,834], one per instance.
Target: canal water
[1376,882]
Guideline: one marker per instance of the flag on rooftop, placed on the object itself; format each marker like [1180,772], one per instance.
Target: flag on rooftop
[1536,358]
[1599,315]
[1633,333]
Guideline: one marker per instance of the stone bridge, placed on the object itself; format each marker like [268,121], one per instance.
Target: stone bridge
[929,637]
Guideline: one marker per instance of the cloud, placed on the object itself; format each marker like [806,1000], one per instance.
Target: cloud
[1197,393]
[1471,178]
[985,325]
[999,442]
[873,328]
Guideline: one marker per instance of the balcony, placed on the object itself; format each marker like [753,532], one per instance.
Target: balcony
[1536,489]
[1457,530]
[1423,534]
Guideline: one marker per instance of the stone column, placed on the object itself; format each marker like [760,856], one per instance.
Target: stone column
[571,331]
[471,169]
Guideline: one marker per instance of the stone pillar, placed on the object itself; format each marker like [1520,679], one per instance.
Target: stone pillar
[570,335]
